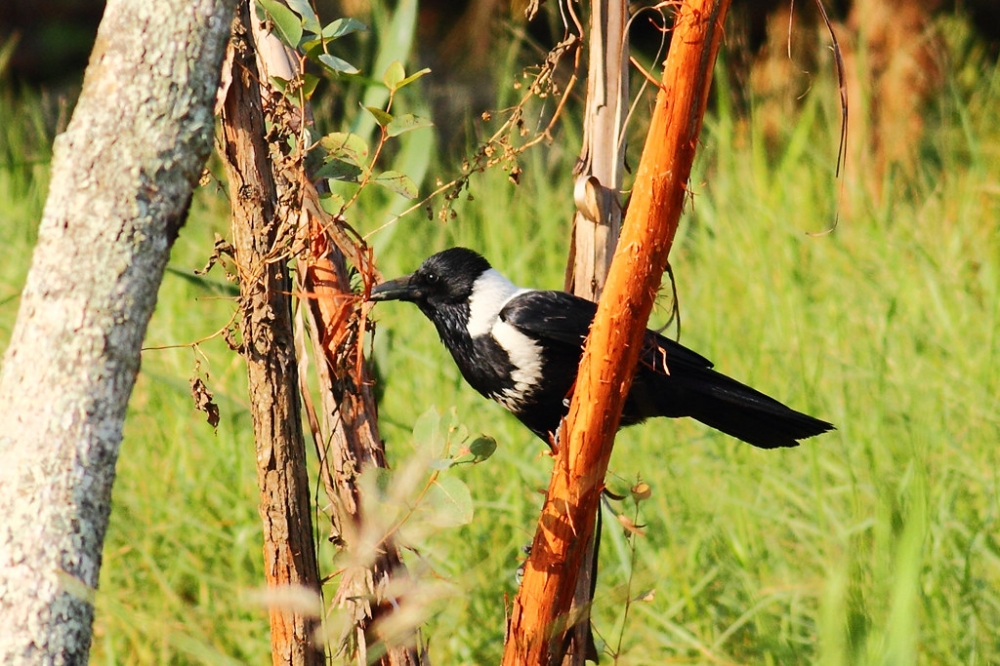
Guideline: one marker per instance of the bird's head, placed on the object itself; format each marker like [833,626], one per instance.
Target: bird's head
[444,280]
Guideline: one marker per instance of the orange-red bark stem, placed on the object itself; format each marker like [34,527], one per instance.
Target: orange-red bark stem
[539,616]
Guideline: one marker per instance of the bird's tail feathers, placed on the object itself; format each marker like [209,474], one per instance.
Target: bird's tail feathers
[744,413]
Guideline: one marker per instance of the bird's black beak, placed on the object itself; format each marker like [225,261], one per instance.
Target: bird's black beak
[399,289]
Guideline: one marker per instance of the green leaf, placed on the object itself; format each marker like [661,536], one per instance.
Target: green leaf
[440,464]
[376,483]
[331,203]
[341,27]
[347,147]
[381,117]
[394,73]
[457,432]
[450,502]
[309,83]
[482,448]
[311,47]
[413,77]
[279,84]
[336,65]
[399,183]
[339,170]
[288,25]
[309,19]
[427,431]
[406,123]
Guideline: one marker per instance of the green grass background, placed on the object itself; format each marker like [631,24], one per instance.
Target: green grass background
[874,544]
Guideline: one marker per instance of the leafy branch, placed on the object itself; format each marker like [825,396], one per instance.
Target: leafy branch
[346,157]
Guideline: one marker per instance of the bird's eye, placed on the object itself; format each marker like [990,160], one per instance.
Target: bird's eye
[431,278]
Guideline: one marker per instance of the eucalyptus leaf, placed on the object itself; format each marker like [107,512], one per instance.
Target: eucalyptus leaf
[406,123]
[376,483]
[482,448]
[440,464]
[381,117]
[336,65]
[399,183]
[394,73]
[288,25]
[450,502]
[309,83]
[347,147]
[309,19]
[413,77]
[427,431]
[331,203]
[336,169]
[341,27]
[311,47]
[457,432]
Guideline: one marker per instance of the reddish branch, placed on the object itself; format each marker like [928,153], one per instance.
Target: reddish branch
[348,440]
[540,613]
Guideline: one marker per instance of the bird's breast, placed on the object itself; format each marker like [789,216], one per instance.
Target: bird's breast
[526,362]
[504,365]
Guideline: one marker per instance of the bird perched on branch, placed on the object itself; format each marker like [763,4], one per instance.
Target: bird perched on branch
[521,348]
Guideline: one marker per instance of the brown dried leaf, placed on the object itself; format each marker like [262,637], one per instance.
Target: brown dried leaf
[204,401]
[629,525]
[641,491]
[222,247]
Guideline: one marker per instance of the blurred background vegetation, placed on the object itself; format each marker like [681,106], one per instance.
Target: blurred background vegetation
[875,544]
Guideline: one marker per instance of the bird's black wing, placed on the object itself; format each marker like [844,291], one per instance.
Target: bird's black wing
[550,316]
[671,380]
[561,317]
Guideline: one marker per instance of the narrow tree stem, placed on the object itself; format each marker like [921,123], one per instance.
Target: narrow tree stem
[269,350]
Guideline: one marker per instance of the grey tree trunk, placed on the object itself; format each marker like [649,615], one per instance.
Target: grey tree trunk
[122,177]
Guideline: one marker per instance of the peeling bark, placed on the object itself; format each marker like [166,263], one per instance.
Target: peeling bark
[122,177]
[598,188]
[347,440]
[268,346]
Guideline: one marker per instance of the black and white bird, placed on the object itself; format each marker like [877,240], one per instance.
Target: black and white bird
[521,348]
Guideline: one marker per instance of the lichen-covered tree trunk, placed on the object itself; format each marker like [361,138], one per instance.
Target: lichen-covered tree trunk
[122,177]
[261,239]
